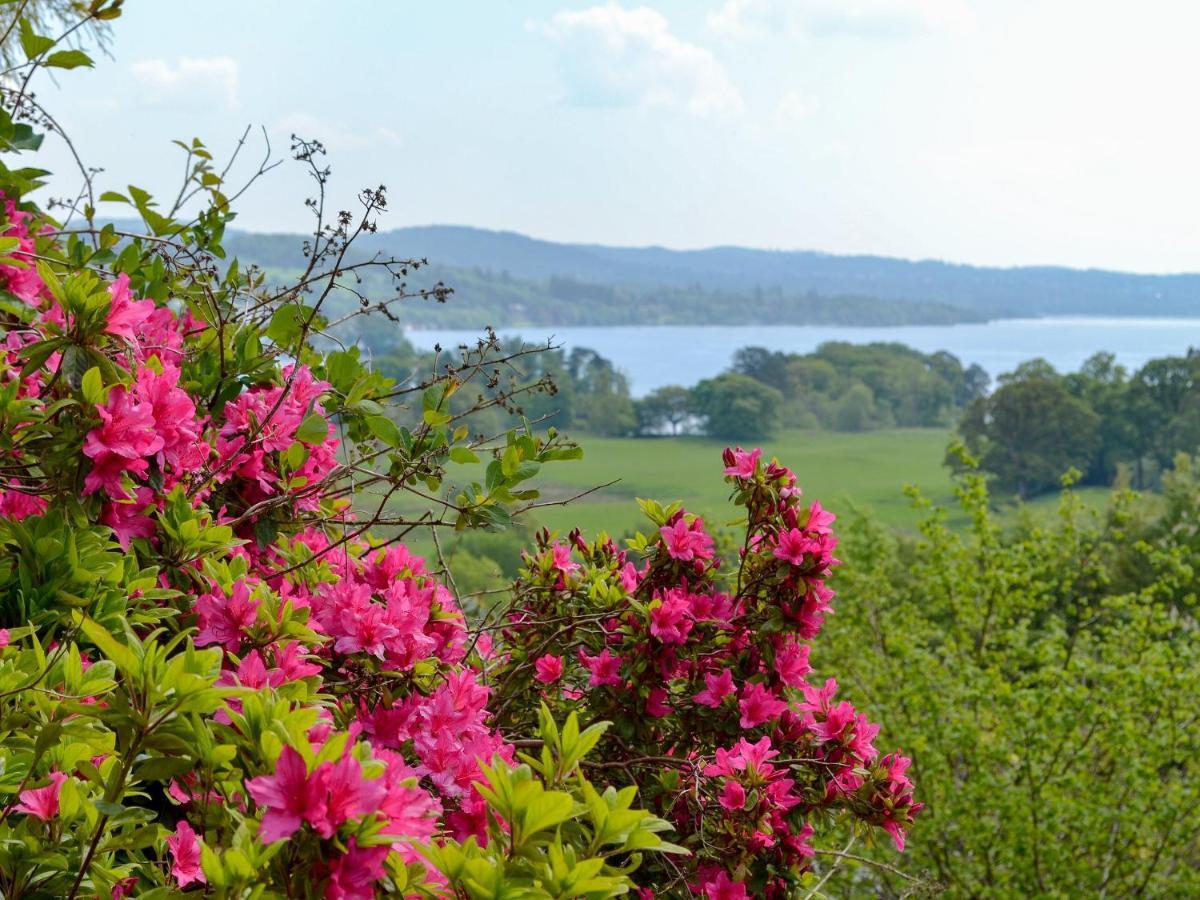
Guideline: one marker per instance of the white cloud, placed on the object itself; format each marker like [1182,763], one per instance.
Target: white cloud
[191,82]
[865,18]
[613,56]
[792,109]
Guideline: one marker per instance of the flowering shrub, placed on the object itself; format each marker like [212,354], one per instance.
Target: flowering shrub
[705,677]
[222,669]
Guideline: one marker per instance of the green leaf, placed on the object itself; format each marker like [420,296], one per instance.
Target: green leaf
[109,646]
[313,430]
[92,386]
[287,323]
[435,418]
[384,429]
[463,456]
[546,811]
[69,59]
[510,461]
[160,768]
[33,44]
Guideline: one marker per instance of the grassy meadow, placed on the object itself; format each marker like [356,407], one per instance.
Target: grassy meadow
[864,470]
[869,469]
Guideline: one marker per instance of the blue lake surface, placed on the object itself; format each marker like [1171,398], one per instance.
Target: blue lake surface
[656,355]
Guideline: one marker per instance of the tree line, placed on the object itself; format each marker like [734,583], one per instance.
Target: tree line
[1110,424]
[837,387]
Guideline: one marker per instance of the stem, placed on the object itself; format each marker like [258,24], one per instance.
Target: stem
[832,869]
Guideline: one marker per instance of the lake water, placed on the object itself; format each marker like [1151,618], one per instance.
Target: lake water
[656,355]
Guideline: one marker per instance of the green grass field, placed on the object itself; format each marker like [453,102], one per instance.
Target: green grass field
[869,469]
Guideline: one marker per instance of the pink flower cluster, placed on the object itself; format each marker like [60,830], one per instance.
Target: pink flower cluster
[365,636]
[261,424]
[696,667]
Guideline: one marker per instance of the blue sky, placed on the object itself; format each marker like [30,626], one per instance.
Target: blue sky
[1004,132]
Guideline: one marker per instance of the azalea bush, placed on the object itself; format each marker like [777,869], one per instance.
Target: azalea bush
[704,670]
[222,668]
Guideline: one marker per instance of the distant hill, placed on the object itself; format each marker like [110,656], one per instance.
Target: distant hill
[552,283]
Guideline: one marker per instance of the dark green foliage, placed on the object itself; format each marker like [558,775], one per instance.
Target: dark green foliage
[736,407]
[1100,420]
[860,387]
[1029,432]
[665,410]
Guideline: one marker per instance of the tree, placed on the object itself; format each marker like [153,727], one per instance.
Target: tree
[737,407]
[602,403]
[1104,386]
[667,406]
[1029,432]
[767,366]
[855,409]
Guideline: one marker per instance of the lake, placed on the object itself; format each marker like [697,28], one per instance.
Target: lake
[656,355]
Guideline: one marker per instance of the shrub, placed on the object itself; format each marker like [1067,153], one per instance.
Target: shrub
[704,676]
[220,665]
[1047,696]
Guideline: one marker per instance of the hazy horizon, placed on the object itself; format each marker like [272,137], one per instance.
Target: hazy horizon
[975,133]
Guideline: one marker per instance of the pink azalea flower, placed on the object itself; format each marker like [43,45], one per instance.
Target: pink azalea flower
[797,842]
[722,888]
[291,664]
[42,803]
[687,542]
[742,757]
[174,417]
[819,699]
[223,619]
[791,663]
[844,782]
[125,314]
[290,797]
[352,875]
[896,765]
[548,669]
[792,545]
[670,621]
[350,795]
[127,435]
[742,464]
[605,668]
[733,795]
[128,520]
[819,519]
[629,578]
[837,722]
[185,850]
[656,703]
[4,638]
[893,828]
[758,705]
[16,504]
[717,687]
[366,629]
[410,810]
[562,559]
